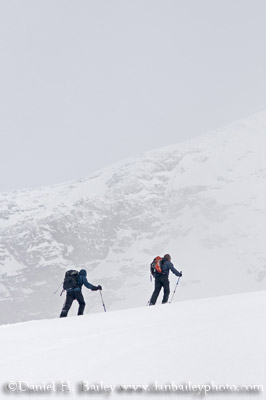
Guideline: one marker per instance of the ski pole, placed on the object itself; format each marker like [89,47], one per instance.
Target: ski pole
[58,288]
[175,288]
[149,302]
[102,300]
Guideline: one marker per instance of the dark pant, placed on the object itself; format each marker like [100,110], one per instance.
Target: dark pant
[160,281]
[71,296]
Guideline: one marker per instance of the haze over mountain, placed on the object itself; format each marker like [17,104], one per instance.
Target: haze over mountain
[202,201]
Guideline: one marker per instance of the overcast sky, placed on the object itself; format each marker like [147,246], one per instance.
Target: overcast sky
[89,82]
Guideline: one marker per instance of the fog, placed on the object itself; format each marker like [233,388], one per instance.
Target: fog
[84,84]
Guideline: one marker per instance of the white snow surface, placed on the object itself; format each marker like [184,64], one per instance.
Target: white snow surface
[219,340]
[202,201]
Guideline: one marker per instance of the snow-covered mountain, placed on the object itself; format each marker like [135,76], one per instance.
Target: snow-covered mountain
[219,340]
[202,201]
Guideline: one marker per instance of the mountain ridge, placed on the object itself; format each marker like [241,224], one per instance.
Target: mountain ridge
[203,201]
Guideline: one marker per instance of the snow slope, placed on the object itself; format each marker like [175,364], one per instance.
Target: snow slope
[219,339]
[203,201]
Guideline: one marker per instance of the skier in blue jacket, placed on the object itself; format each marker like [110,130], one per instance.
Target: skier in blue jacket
[76,294]
[161,279]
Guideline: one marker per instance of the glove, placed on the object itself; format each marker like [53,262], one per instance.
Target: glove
[99,287]
[180,274]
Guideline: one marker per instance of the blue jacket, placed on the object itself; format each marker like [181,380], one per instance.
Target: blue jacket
[82,280]
[166,266]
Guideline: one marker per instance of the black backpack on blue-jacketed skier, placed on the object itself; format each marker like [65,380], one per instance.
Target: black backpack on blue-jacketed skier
[71,280]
